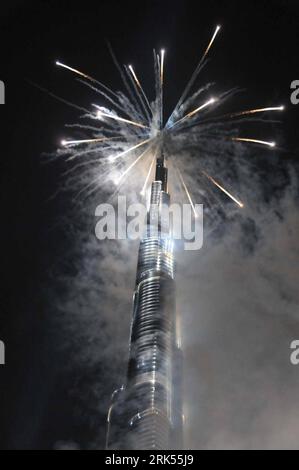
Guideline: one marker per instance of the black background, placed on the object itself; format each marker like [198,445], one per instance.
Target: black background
[257,51]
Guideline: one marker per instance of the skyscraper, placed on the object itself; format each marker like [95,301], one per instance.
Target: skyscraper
[145,412]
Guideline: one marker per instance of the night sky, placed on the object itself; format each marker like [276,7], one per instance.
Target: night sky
[256,51]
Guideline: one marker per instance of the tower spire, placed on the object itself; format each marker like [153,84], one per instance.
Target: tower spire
[146,412]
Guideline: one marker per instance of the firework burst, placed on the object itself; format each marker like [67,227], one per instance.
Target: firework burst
[122,132]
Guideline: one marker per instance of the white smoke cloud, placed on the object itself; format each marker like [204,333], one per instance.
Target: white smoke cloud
[239,310]
[237,298]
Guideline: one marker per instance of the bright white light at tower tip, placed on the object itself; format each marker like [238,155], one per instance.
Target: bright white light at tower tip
[63,143]
[218,27]
[282,108]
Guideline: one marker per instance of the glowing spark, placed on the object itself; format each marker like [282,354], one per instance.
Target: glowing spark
[162,66]
[255,141]
[195,111]
[188,194]
[112,158]
[211,42]
[65,143]
[134,75]
[60,64]
[142,192]
[240,204]
[259,110]
[208,103]
[125,173]
[100,114]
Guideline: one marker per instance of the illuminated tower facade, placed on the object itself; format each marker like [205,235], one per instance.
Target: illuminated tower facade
[146,412]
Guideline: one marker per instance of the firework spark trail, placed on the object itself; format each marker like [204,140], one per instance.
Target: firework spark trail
[160,92]
[140,87]
[129,169]
[125,152]
[125,81]
[139,94]
[71,69]
[95,182]
[57,97]
[116,104]
[187,193]
[142,192]
[102,156]
[191,100]
[254,141]
[126,109]
[241,114]
[162,67]
[101,114]
[192,113]
[258,110]
[161,87]
[195,74]
[65,143]
[211,42]
[87,77]
[240,204]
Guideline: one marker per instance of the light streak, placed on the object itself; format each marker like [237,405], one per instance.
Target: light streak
[112,158]
[258,110]
[188,194]
[100,114]
[134,76]
[254,141]
[195,111]
[60,64]
[65,143]
[142,192]
[240,204]
[127,171]
[162,66]
[130,67]
[211,42]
